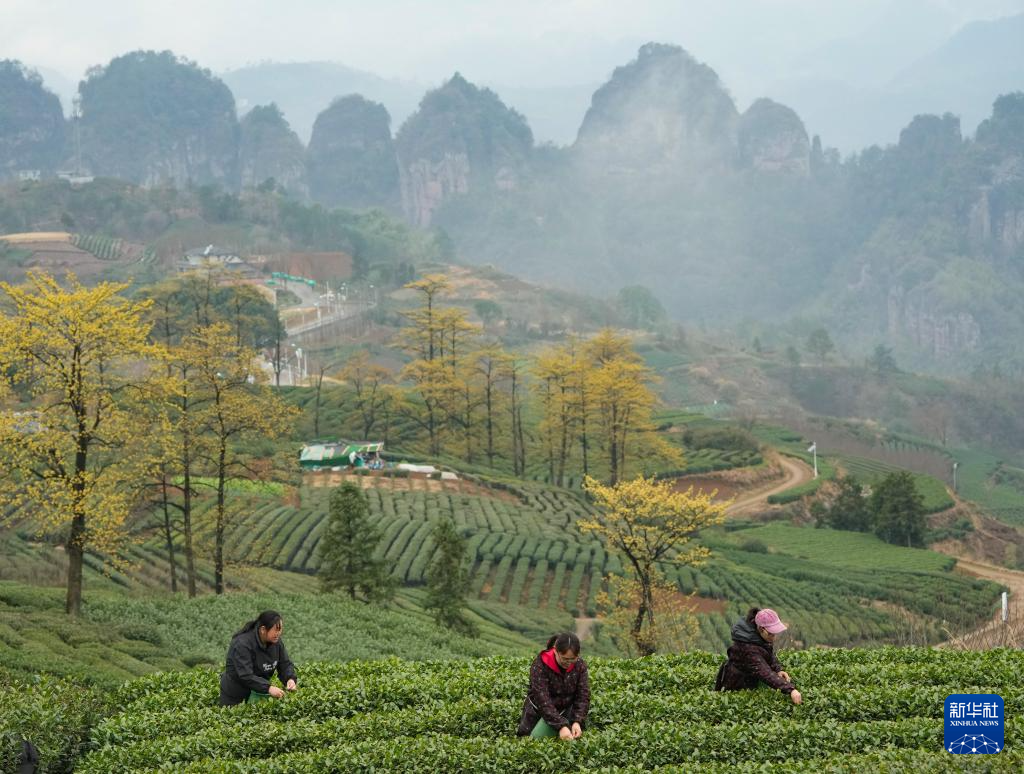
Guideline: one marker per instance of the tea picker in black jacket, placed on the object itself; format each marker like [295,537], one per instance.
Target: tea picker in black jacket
[255,653]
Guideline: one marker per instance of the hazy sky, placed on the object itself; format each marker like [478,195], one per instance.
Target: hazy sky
[515,42]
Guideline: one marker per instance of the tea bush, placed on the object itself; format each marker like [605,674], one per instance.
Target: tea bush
[864,710]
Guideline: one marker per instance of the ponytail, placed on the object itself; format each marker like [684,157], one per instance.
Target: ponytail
[268,619]
[565,642]
[752,613]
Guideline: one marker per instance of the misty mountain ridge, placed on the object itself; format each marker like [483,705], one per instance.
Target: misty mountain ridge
[853,92]
[727,215]
[302,90]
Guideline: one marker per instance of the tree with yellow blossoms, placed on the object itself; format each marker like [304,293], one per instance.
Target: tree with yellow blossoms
[622,400]
[649,523]
[439,340]
[237,408]
[368,382]
[75,421]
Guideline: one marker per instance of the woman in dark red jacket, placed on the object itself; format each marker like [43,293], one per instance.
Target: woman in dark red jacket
[752,657]
[558,699]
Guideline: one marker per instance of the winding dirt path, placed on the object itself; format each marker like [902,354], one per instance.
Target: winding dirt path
[796,473]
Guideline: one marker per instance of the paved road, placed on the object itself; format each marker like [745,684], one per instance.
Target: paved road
[343,312]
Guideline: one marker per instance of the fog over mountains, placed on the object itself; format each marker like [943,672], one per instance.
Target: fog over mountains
[853,93]
[855,71]
[729,210]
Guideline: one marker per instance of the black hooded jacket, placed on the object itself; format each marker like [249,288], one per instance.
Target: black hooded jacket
[250,665]
[751,660]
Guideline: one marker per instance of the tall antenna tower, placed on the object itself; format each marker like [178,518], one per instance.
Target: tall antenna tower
[76,115]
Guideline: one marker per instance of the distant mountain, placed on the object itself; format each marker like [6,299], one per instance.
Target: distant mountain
[31,122]
[151,117]
[963,75]
[268,148]
[662,111]
[351,156]
[462,140]
[302,90]
[729,216]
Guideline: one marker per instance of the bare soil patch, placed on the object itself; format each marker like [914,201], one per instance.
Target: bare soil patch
[584,626]
[702,483]
[699,604]
[415,482]
[990,542]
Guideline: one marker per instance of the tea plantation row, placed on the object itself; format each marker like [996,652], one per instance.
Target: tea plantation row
[864,710]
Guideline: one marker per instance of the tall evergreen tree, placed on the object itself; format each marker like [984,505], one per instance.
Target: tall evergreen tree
[346,551]
[849,510]
[898,510]
[448,579]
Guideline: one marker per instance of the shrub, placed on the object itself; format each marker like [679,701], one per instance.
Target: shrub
[54,714]
[725,438]
[141,631]
[196,659]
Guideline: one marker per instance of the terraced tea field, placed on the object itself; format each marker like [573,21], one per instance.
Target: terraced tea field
[528,553]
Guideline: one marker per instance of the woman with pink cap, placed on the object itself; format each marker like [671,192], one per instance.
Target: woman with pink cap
[752,658]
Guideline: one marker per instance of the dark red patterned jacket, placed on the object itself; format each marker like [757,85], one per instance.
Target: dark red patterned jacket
[560,697]
[751,660]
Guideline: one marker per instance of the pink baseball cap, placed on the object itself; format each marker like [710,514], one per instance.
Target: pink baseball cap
[769,620]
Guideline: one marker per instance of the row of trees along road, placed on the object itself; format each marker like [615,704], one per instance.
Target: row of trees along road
[108,399]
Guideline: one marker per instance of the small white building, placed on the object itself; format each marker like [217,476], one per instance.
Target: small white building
[212,257]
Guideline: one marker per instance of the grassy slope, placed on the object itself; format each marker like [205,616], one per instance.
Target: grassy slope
[847,549]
